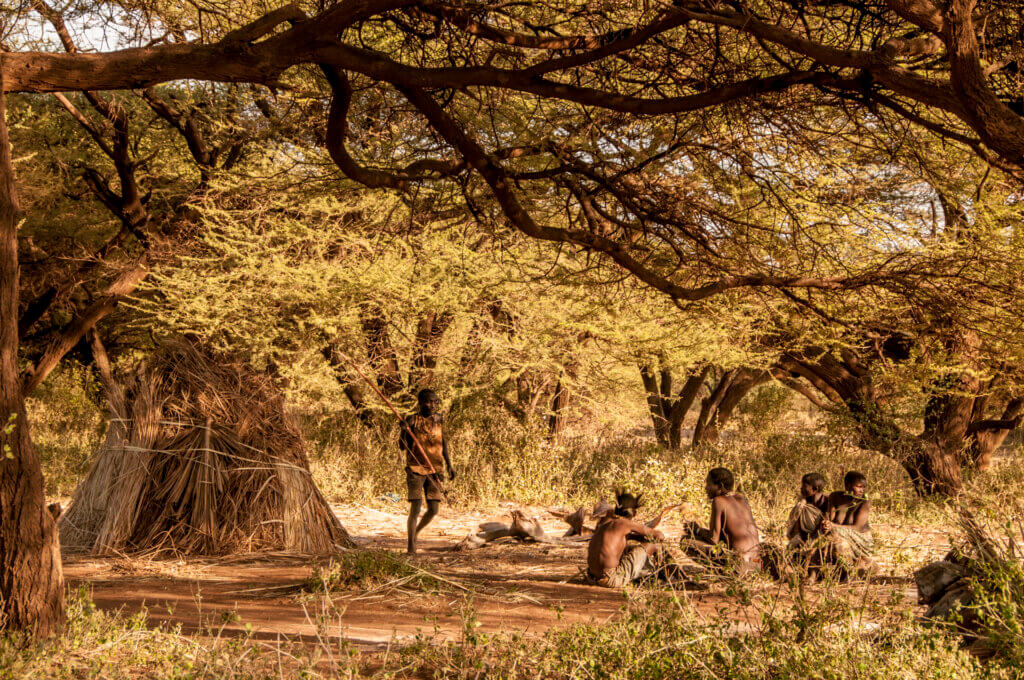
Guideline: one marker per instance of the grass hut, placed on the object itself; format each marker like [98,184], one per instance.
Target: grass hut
[200,457]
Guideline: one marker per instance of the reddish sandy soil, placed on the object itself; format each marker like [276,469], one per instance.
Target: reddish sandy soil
[522,587]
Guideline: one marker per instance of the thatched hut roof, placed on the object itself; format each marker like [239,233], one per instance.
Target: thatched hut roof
[200,458]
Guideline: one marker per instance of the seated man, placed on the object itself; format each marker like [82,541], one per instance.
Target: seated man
[807,515]
[732,538]
[610,563]
[849,542]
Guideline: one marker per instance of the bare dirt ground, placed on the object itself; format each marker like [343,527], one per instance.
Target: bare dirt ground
[511,587]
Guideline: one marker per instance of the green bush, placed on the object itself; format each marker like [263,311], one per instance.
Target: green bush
[660,638]
[369,569]
[67,426]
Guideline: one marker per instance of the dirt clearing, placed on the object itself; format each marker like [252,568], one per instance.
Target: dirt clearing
[527,588]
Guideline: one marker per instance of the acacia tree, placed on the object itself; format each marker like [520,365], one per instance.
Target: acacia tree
[649,128]
[31,578]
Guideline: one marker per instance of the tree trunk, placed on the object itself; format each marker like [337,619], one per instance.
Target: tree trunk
[956,436]
[934,469]
[431,328]
[559,408]
[656,403]
[718,409]
[985,441]
[667,410]
[683,402]
[380,351]
[357,398]
[705,430]
[31,578]
[352,390]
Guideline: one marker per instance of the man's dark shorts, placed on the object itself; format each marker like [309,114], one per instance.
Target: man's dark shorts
[420,486]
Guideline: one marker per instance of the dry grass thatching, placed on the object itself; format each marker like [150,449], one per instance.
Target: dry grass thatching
[200,458]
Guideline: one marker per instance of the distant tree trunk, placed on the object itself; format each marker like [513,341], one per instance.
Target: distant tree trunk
[717,409]
[562,394]
[357,398]
[380,351]
[353,391]
[429,331]
[990,435]
[668,410]
[31,578]
[559,409]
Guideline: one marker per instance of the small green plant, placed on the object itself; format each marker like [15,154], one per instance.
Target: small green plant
[661,638]
[369,569]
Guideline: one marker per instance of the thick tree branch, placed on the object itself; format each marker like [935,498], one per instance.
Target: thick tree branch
[76,330]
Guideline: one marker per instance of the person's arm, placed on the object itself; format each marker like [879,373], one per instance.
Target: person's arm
[404,441]
[860,517]
[717,523]
[831,512]
[640,531]
[444,454]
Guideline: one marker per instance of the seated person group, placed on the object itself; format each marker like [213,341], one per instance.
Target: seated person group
[822,530]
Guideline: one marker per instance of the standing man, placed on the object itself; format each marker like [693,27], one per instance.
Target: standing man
[426,451]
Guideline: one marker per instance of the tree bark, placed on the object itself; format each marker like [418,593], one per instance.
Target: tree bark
[380,351]
[352,390]
[559,408]
[669,410]
[956,437]
[31,577]
[431,328]
[986,440]
[718,409]
[656,404]
[709,407]
[76,330]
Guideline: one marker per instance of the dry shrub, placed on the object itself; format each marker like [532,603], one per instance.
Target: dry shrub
[200,458]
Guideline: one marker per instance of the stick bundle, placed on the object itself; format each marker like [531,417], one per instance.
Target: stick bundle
[200,458]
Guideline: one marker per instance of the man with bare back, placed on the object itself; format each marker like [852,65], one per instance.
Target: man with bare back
[610,562]
[732,537]
[426,456]
[846,526]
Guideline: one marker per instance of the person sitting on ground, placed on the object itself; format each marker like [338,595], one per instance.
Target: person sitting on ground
[423,441]
[732,538]
[846,527]
[611,563]
[807,515]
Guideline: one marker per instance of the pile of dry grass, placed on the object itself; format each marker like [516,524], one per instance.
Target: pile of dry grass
[979,589]
[200,458]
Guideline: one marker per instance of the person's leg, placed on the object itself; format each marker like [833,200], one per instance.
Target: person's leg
[432,492]
[415,505]
[414,485]
[630,566]
[695,532]
[432,508]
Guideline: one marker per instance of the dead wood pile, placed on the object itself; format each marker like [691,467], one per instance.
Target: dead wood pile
[529,530]
[200,457]
[951,586]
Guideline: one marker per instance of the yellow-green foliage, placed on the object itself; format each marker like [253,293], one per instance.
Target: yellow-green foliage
[369,569]
[96,644]
[67,425]
[661,638]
